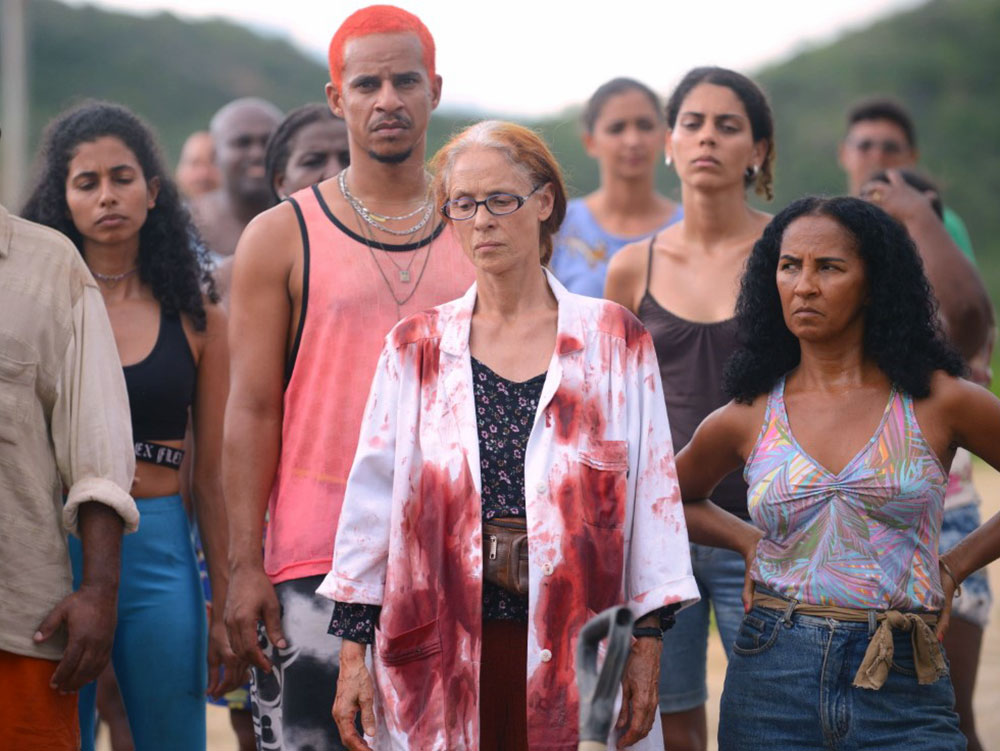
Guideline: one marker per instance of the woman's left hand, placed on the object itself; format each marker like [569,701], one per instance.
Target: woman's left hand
[749,551]
[948,587]
[226,671]
[640,691]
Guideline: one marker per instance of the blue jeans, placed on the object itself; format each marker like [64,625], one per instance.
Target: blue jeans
[161,640]
[789,686]
[719,574]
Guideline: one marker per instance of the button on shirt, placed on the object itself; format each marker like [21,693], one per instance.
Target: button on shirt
[64,423]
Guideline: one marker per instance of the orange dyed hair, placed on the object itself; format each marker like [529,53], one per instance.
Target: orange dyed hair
[378,19]
[525,150]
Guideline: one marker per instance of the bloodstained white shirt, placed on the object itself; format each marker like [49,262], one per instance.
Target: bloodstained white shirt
[605,521]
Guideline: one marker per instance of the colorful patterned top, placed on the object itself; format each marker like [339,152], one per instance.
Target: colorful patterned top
[866,537]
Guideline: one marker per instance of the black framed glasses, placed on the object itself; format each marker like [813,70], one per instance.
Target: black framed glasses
[498,204]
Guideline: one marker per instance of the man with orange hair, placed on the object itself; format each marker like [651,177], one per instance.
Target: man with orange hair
[318,282]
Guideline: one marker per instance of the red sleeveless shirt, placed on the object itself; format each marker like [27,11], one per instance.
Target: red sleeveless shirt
[347,309]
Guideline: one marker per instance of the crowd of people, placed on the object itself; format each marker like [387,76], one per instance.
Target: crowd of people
[354,443]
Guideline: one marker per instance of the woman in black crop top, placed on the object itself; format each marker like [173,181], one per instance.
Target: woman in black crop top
[103,185]
[683,286]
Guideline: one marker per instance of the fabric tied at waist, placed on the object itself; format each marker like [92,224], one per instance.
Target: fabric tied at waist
[874,669]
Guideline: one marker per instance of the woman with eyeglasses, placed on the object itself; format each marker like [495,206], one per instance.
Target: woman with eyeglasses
[514,476]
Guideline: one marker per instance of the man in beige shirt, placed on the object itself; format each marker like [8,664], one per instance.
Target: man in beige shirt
[65,432]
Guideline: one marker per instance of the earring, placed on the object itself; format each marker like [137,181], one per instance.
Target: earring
[751,171]
[667,160]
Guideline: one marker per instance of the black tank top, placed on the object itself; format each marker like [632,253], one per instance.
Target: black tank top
[161,387]
[692,357]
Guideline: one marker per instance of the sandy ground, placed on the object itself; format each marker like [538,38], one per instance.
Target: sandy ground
[221,737]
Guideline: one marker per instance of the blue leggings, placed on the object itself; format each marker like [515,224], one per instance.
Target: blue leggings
[160,647]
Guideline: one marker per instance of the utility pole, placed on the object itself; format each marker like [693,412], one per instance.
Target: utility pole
[13,103]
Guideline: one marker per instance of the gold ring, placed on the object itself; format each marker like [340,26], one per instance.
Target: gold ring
[876,195]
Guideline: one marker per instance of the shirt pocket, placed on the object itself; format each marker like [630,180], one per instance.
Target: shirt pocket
[17,381]
[411,679]
[603,481]
[409,646]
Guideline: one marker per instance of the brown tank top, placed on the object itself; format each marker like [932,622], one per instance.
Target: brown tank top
[692,357]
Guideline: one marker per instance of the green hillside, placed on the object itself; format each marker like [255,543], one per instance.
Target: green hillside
[939,58]
[174,73]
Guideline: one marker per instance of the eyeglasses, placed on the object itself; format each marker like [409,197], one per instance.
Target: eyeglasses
[498,204]
[888,146]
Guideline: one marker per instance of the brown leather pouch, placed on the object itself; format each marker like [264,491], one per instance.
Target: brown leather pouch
[505,553]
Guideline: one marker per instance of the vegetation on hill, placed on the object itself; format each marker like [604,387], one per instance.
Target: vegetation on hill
[940,59]
[174,73]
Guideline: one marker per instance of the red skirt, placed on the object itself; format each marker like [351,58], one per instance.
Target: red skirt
[503,695]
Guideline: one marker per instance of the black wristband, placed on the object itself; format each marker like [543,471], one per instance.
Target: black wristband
[653,631]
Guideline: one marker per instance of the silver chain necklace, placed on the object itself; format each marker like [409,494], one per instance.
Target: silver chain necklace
[376,220]
[404,271]
[112,279]
[404,274]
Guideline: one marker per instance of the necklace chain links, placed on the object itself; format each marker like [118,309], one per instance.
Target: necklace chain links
[113,279]
[404,273]
[377,221]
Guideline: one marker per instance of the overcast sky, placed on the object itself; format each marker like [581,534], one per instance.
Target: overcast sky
[533,57]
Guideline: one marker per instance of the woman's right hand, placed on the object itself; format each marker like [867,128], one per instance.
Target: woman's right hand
[354,693]
[749,551]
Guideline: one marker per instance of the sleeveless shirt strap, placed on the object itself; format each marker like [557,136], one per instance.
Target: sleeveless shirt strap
[776,402]
[290,365]
[649,264]
[770,407]
[906,402]
[172,321]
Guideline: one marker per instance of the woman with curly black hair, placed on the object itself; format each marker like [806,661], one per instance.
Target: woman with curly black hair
[103,184]
[847,410]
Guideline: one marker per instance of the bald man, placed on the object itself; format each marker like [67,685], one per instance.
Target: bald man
[239,133]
